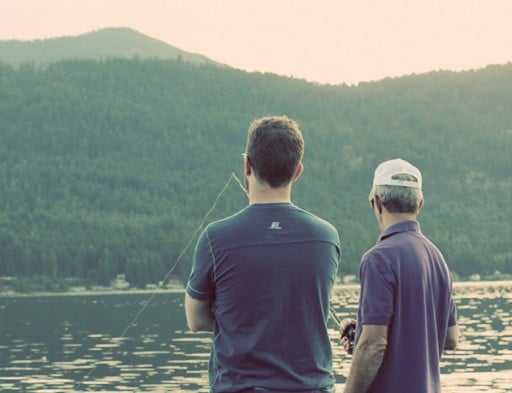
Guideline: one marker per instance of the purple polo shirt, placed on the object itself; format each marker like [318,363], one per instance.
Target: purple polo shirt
[406,285]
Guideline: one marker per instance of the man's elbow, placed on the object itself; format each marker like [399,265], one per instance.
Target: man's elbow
[452,338]
[199,315]
[197,326]
[192,326]
[200,323]
[451,343]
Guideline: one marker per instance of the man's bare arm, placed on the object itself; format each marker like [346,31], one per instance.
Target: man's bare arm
[199,315]
[368,356]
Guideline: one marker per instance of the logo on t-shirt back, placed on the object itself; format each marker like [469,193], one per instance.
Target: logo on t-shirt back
[275,225]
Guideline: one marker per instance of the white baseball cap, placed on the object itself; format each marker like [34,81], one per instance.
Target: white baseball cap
[387,171]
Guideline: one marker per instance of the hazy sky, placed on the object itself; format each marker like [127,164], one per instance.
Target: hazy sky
[329,41]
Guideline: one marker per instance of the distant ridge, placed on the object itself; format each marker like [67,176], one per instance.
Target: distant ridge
[101,44]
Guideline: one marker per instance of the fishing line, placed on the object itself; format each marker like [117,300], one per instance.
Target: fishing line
[232,176]
[174,265]
[239,183]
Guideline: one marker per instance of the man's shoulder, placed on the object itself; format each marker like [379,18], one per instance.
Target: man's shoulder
[391,248]
[317,227]
[313,218]
[228,221]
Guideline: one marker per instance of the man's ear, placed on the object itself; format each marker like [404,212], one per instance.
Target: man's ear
[420,205]
[247,166]
[378,203]
[298,172]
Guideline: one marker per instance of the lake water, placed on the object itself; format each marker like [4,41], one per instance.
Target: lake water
[76,343]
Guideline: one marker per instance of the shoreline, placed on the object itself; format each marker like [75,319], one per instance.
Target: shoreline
[133,291]
[92,293]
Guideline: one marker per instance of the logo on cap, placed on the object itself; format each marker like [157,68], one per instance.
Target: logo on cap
[397,172]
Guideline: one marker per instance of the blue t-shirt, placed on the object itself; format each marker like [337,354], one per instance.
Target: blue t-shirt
[406,285]
[270,269]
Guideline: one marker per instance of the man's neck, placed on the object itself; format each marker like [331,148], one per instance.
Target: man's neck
[390,219]
[259,194]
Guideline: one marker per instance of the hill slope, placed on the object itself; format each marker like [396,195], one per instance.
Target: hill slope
[97,45]
[110,167]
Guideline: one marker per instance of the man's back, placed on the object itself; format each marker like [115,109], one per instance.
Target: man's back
[270,269]
[407,286]
[406,313]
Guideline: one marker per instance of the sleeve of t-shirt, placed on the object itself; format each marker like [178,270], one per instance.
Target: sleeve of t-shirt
[452,319]
[377,291]
[200,281]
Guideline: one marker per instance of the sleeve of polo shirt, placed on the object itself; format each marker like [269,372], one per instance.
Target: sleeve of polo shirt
[200,282]
[452,319]
[377,291]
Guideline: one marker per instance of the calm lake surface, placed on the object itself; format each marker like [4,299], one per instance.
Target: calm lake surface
[76,343]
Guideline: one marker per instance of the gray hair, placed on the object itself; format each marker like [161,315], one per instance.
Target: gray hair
[398,199]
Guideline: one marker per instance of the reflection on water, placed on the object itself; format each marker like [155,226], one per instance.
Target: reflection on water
[71,343]
[483,360]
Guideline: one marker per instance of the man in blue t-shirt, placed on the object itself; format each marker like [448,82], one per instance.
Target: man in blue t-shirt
[262,279]
[406,315]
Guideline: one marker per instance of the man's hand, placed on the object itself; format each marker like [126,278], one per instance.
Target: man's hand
[348,327]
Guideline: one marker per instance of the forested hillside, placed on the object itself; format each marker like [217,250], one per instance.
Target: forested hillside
[101,44]
[109,167]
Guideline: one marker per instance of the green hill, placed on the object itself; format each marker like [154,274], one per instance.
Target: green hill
[109,167]
[97,45]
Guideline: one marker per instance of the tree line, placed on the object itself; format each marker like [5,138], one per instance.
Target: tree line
[108,167]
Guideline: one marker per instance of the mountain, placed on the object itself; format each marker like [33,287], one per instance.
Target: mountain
[110,167]
[97,45]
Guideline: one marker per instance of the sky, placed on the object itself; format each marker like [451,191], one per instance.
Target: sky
[326,41]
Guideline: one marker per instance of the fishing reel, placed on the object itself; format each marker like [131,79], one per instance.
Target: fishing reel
[349,332]
[347,328]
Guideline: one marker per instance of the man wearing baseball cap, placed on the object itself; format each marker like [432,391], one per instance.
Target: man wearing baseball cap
[406,315]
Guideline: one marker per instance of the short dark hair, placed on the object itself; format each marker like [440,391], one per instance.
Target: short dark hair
[275,147]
